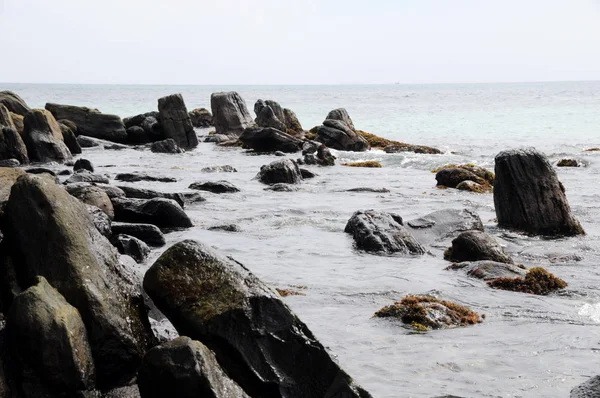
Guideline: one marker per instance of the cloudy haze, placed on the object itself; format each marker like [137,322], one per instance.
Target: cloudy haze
[298,42]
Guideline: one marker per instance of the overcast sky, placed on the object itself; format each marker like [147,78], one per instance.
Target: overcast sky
[298,42]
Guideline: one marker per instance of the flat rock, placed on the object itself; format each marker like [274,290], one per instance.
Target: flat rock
[444,224]
[141,193]
[85,176]
[91,122]
[488,270]
[136,177]
[215,187]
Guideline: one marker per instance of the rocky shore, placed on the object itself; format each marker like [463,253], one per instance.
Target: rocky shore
[78,321]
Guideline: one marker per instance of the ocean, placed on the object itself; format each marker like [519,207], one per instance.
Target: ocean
[528,346]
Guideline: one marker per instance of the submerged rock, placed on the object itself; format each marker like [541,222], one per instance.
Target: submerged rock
[256,338]
[164,213]
[382,232]
[536,281]
[185,368]
[476,246]
[43,138]
[281,187]
[166,146]
[367,164]
[443,224]
[269,139]
[214,186]
[230,114]
[131,246]
[136,177]
[176,122]
[219,169]
[147,233]
[528,196]
[280,171]
[488,270]
[226,228]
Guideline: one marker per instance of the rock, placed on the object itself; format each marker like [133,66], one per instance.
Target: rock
[93,196]
[230,115]
[536,281]
[307,174]
[154,130]
[137,120]
[569,163]
[70,139]
[219,169]
[49,339]
[12,145]
[528,196]
[266,117]
[451,177]
[368,164]
[201,118]
[226,228]
[19,122]
[338,135]
[111,191]
[488,270]
[283,170]
[176,122]
[256,338]
[279,153]
[269,140]
[147,233]
[425,313]
[83,164]
[366,189]
[164,213]
[281,187]
[136,177]
[291,121]
[123,392]
[472,186]
[6,118]
[395,148]
[100,220]
[40,170]
[476,246]
[185,368]
[323,155]
[10,163]
[192,197]
[166,146]
[382,232]
[342,115]
[14,103]
[83,175]
[88,142]
[136,135]
[443,224]
[140,193]
[69,124]
[131,246]
[91,122]
[589,389]
[52,235]
[8,176]
[214,186]
[217,138]
[43,138]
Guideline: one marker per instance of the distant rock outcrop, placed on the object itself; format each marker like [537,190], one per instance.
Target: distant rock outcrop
[338,132]
[176,122]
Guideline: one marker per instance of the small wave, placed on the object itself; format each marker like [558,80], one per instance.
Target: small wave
[592,311]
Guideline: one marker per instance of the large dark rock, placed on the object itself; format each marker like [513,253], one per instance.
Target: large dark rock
[256,338]
[131,246]
[442,225]
[164,213]
[49,340]
[137,120]
[528,196]
[176,122]
[338,134]
[380,232]
[184,368]
[83,164]
[266,116]
[230,114]
[52,235]
[147,233]
[137,135]
[342,115]
[214,187]
[166,146]
[269,140]
[589,389]
[91,122]
[70,139]
[154,130]
[476,246]
[12,145]
[201,117]
[43,138]
[451,177]
[14,103]
[291,120]
[136,177]
[141,193]
[93,196]
[280,171]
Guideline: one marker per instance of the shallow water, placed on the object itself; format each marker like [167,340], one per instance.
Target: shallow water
[528,346]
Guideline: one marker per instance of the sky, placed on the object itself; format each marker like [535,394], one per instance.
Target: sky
[298,42]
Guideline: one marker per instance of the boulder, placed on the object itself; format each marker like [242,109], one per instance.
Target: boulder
[131,246]
[147,233]
[476,246]
[266,117]
[136,177]
[6,119]
[442,225]
[291,121]
[283,170]
[70,139]
[488,270]
[166,146]
[83,164]
[323,155]
[338,135]
[52,235]
[529,197]
[43,138]
[154,130]
[219,169]
[49,340]
[164,213]
[569,163]
[342,115]
[451,177]
[14,103]
[93,196]
[88,142]
[256,338]
[307,174]
[10,163]
[218,138]
[8,176]
[12,145]
[269,139]
[589,389]
[140,193]
[281,187]
[91,122]
[230,115]
[214,187]
[380,232]
[83,175]
[185,368]
[111,191]
[19,122]
[176,122]
[137,120]
[100,220]
[136,135]
[201,118]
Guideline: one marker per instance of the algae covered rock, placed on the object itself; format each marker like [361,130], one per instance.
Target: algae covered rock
[475,246]
[367,163]
[488,270]
[536,281]
[256,338]
[201,117]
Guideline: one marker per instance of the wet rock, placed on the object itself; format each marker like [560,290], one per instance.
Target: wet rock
[569,163]
[70,139]
[131,246]
[528,196]
[215,187]
[153,128]
[404,147]
[83,164]
[476,246]
[291,121]
[93,196]
[166,146]
[451,177]
[136,177]
[219,169]
[53,236]
[226,228]
[137,135]
[338,135]
[254,335]
[40,170]
[488,270]
[91,142]
[49,339]
[14,103]
[217,138]
[91,122]
[281,187]
[140,193]
[43,138]
[382,232]
[137,120]
[12,145]
[230,114]
[187,369]
[307,174]
[19,123]
[280,171]
[366,189]
[425,313]
[473,187]
[536,281]
[323,155]
[266,117]
[100,220]
[192,197]
[269,139]
[147,233]
[589,389]
[201,118]
[164,213]
[368,164]
[176,122]
[83,175]
[10,163]
[8,176]
[443,224]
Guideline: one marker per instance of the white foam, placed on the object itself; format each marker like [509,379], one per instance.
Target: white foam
[592,311]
